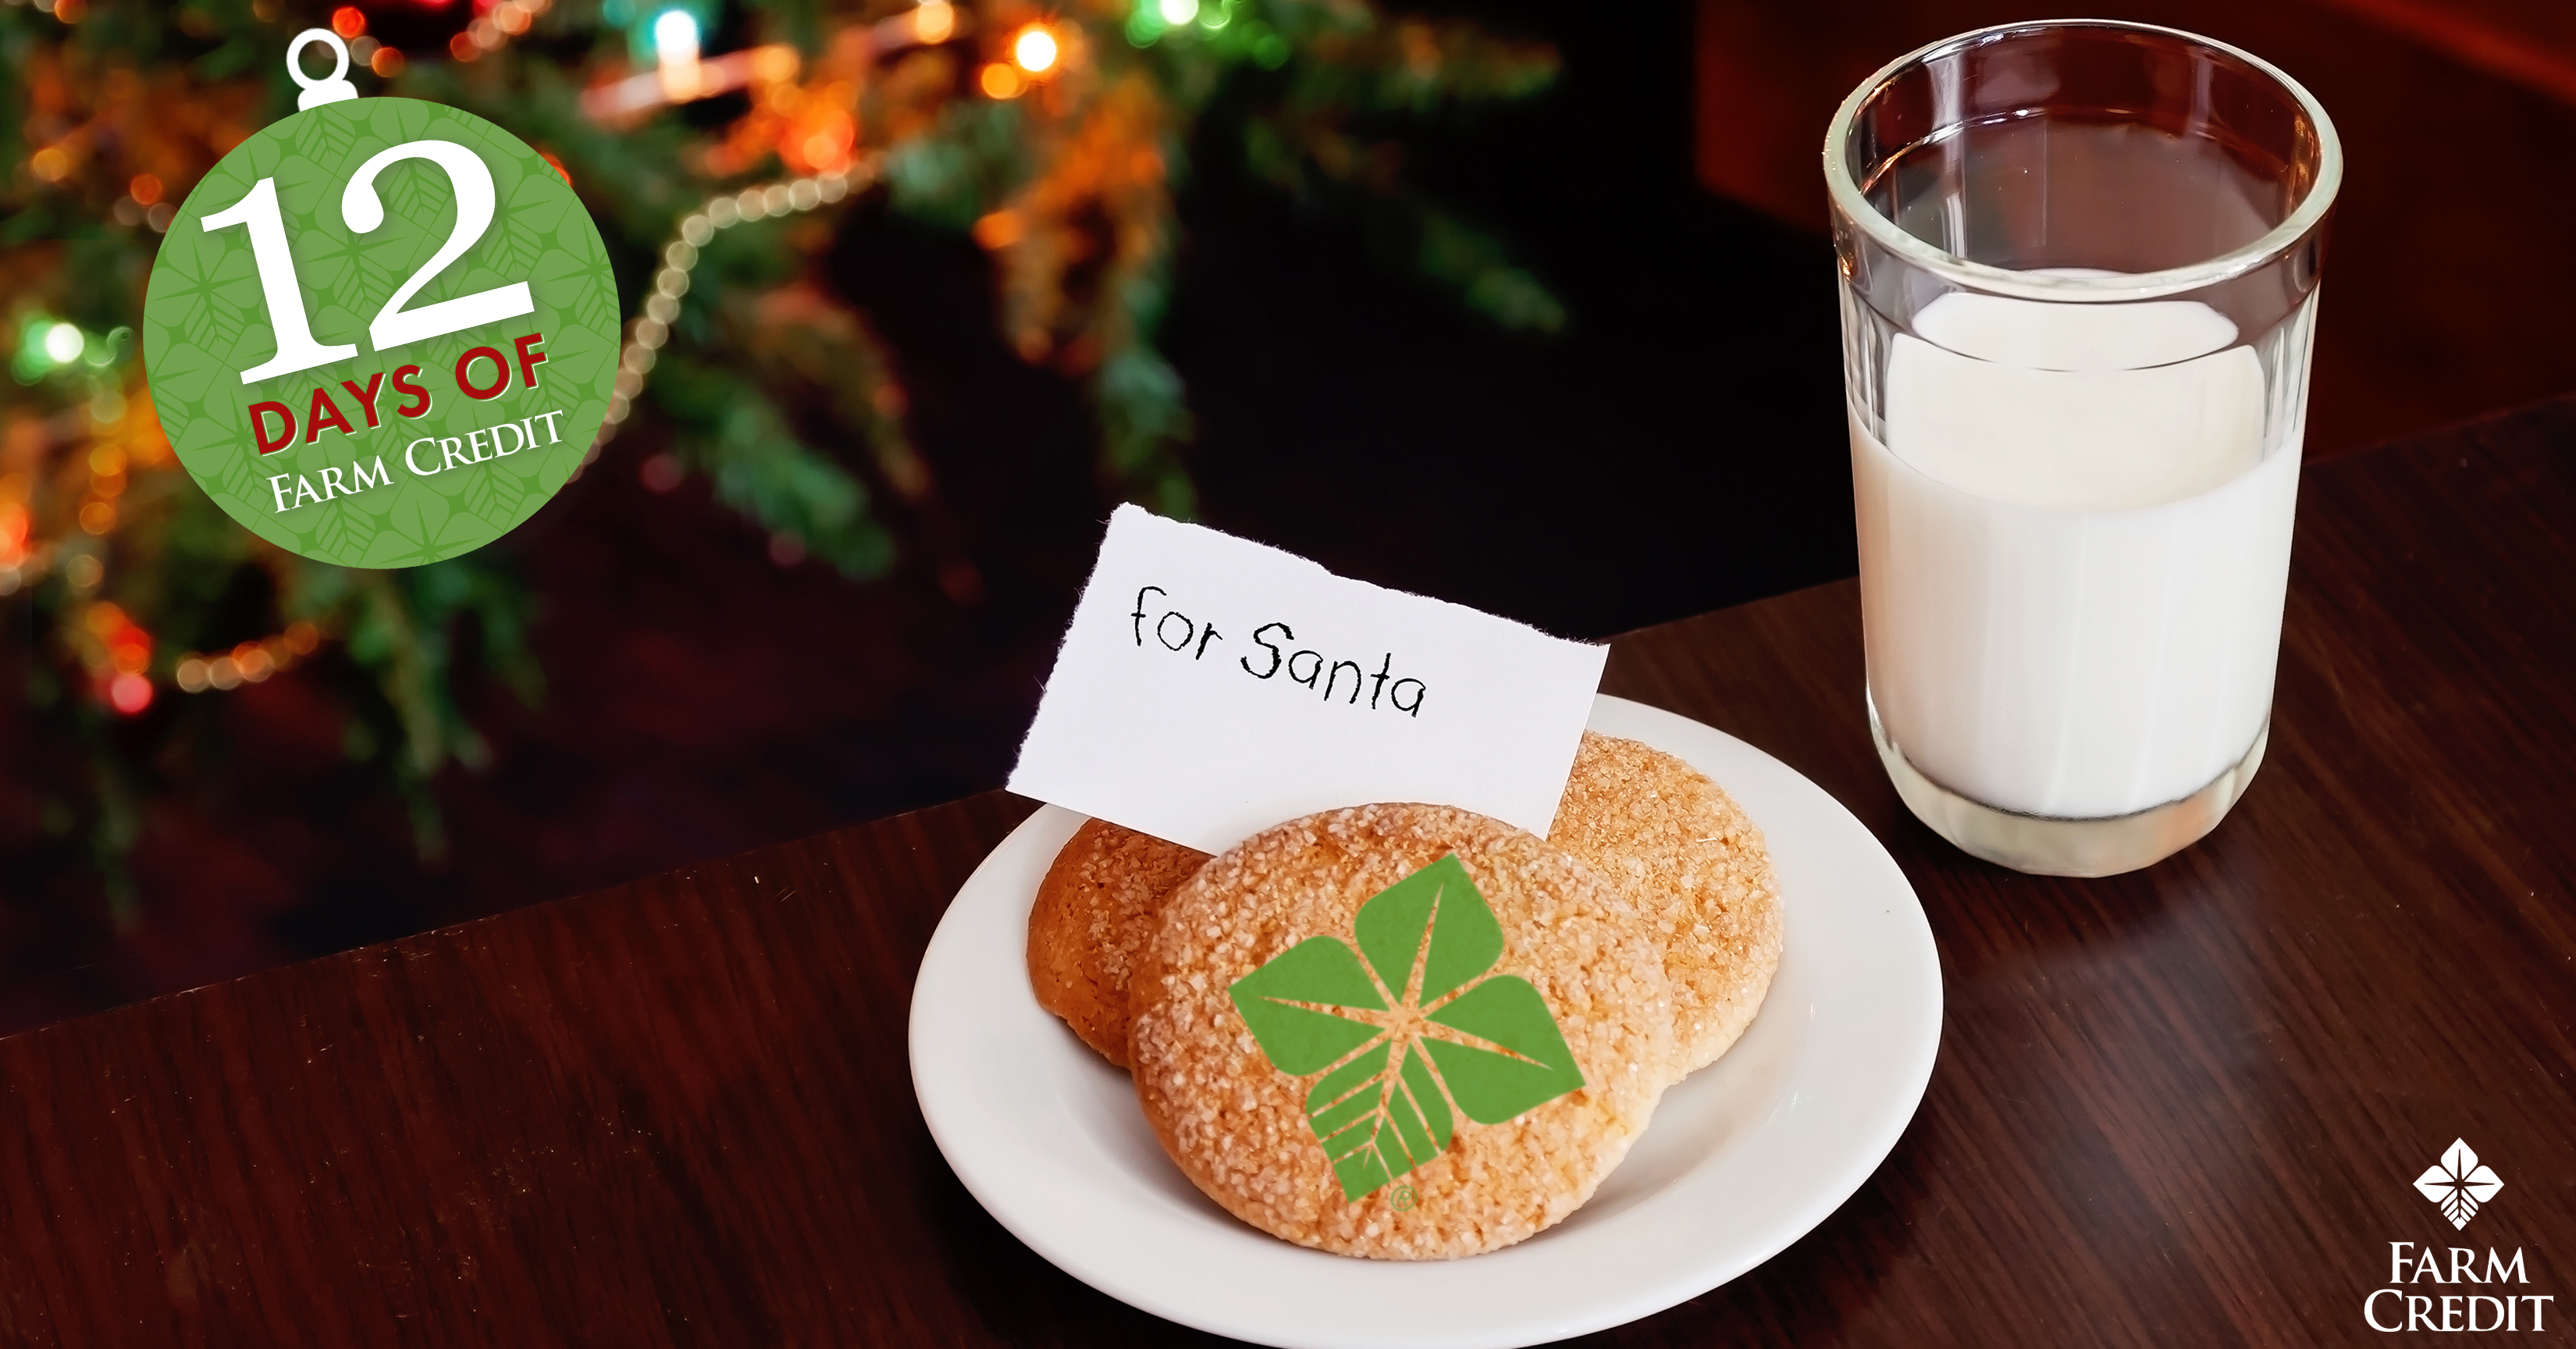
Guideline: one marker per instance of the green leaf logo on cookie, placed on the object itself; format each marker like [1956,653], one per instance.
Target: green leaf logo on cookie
[1413,1035]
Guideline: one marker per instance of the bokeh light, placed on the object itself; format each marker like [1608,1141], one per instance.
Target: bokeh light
[934,22]
[63,343]
[1000,81]
[130,693]
[675,36]
[1034,50]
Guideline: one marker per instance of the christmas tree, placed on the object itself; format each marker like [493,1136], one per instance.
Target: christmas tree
[715,147]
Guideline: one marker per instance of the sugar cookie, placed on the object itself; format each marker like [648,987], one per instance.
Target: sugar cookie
[1688,856]
[1439,1146]
[1096,908]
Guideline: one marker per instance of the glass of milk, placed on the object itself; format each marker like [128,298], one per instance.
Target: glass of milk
[2079,281]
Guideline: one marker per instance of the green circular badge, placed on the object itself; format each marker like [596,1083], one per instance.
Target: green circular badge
[381,332]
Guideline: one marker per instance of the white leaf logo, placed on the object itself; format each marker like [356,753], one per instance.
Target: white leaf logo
[2459,1184]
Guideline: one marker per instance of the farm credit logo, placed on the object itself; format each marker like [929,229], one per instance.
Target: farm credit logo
[2421,1275]
[1413,1029]
[2459,1183]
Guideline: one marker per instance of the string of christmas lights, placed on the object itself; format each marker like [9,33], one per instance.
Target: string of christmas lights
[488,31]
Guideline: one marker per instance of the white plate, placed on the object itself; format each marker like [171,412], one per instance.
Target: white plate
[1743,1158]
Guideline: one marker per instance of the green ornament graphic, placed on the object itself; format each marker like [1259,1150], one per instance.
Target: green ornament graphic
[1411,1032]
[381,332]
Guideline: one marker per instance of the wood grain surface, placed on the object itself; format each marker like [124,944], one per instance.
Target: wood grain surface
[2184,1106]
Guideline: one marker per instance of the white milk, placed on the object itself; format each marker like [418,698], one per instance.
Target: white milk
[2072,568]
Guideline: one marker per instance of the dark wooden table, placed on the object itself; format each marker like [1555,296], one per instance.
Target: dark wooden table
[2180,1107]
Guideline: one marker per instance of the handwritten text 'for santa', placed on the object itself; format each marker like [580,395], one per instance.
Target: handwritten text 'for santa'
[1270,651]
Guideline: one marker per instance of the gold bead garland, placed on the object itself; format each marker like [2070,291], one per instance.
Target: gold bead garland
[646,335]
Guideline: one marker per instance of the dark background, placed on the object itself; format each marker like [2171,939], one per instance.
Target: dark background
[1679,447]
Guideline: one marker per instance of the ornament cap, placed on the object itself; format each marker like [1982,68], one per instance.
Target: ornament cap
[330,88]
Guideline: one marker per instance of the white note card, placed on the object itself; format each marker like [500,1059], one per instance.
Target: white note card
[1211,687]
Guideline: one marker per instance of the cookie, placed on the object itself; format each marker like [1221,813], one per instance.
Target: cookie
[1408,1032]
[1095,910]
[1686,854]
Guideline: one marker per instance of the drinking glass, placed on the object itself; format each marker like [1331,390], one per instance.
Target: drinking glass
[2079,266]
